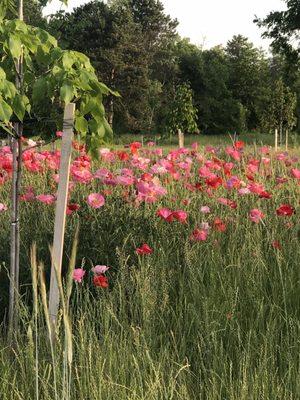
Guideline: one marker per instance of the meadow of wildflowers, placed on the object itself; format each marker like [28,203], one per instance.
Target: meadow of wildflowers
[186,282]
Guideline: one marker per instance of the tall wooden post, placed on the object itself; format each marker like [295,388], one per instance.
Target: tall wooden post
[180,139]
[276,139]
[60,214]
[286,140]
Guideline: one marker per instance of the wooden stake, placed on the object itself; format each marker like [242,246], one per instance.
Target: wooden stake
[276,139]
[180,139]
[286,140]
[60,214]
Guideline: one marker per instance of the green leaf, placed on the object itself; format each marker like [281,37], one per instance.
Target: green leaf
[2,74]
[40,90]
[6,129]
[66,93]
[68,59]
[20,105]
[15,46]
[5,111]
[81,124]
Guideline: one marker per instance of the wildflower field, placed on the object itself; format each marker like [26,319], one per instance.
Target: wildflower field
[186,282]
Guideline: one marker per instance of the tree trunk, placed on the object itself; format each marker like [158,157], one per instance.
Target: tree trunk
[16,146]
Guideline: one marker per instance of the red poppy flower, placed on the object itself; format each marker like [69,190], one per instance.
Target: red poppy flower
[71,208]
[214,182]
[276,245]
[285,210]
[122,155]
[100,281]
[219,225]
[239,145]
[265,195]
[144,249]
[134,147]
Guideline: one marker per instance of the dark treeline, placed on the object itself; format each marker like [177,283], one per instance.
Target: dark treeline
[135,49]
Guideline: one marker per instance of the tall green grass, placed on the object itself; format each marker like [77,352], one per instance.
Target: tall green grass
[218,320]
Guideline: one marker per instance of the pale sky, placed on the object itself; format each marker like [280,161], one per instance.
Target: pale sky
[210,22]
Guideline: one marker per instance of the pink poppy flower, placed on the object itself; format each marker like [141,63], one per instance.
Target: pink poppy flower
[199,235]
[78,274]
[81,175]
[180,216]
[164,213]
[28,195]
[256,215]
[96,200]
[295,173]
[3,207]
[100,269]
[46,198]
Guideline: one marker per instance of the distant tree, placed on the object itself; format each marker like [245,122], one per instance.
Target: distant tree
[130,46]
[283,28]
[182,113]
[32,11]
[280,110]
[246,76]
[208,73]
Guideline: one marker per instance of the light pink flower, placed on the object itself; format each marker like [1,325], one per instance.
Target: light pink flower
[3,207]
[256,215]
[78,274]
[244,191]
[205,226]
[100,269]
[46,198]
[96,200]
[205,210]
